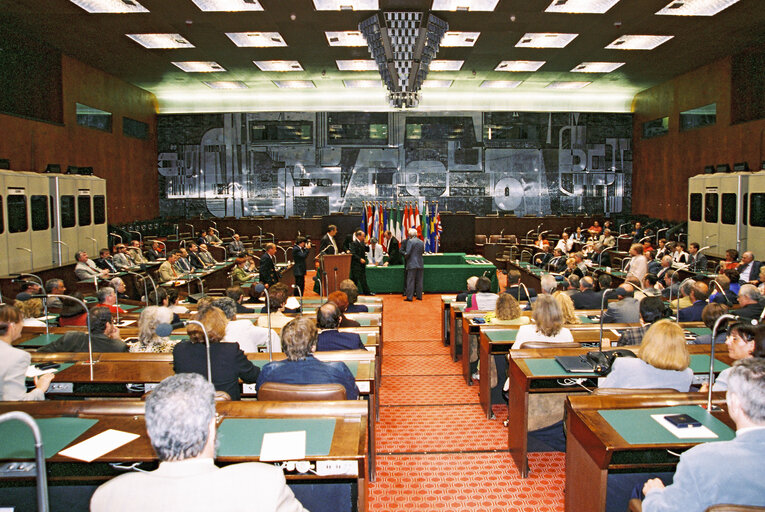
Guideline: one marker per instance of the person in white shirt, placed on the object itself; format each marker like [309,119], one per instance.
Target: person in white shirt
[638,265]
[375,253]
[548,324]
[244,332]
[565,243]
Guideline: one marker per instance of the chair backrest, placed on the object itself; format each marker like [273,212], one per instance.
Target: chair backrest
[480,239]
[279,392]
[550,344]
[493,239]
[631,391]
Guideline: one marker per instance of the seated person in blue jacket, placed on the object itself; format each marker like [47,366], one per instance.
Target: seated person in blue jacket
[328,319]
[299,338]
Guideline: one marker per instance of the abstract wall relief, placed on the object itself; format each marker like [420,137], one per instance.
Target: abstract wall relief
[293,163]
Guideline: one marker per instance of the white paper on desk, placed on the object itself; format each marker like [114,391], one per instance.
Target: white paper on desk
[33,371]
[283,446]
[701,432]
[125,323]
[44,318]
[616,333]
[91,449]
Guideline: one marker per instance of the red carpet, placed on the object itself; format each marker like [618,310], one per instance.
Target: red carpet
[427,390]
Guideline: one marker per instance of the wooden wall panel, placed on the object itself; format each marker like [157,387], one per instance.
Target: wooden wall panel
[662,165]
[129,165]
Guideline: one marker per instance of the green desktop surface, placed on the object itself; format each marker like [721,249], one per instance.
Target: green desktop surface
[41,340]
[501,335]
[57,433]
[637,427]
[549,367]
[244,437]
[699,331]
[353,366]
[700,364]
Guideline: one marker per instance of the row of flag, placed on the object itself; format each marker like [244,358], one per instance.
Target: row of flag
[376,218]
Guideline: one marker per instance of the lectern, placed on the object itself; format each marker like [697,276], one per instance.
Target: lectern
[334,268]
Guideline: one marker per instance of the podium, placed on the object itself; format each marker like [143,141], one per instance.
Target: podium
[334,268]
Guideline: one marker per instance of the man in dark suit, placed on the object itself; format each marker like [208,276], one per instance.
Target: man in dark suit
[699,294]
[155,252]
[543,257]
[654,265]
[328,319]
[515,289]
[752,303]
[720,291]
[299,255]
[587,298]
[104,336]
[328,244]
[268,273]
[415,266]
[392,247]
[558,261]
[236,247]
[749,269]
[626,311]
[359,263]
[104,261]
[651,310]
[194,258]
[698,261]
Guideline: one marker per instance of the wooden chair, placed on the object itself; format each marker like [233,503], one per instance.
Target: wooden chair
[631,391]
[480,242]
[279,392]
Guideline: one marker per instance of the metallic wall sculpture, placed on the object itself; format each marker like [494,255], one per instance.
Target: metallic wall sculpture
[309,164]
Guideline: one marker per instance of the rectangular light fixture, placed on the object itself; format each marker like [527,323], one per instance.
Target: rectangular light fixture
[256,39]
[638,42]
[225,85]
[567,85]
[161,41]
[501,84]
[597,67]
[228,5]
[445,65]
[278,65]
[199,66]
[110,6]
[696,7]
[294,84]
[346,38]
[454,38]
[346,5]
[437,84]
[362,84]
[464,5]
[356,65]
[581,6]
[519,65]
[545,40]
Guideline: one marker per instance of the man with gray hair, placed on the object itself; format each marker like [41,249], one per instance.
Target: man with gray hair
[752,303]
[244,332]
[548,283]
[107,297]
[415,266]
[180,421]
[724,471]
[55,286]
[104,335]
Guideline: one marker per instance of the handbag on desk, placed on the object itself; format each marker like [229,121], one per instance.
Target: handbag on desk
[602,361]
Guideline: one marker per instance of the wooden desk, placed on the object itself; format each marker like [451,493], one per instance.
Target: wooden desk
[593,447]
[446,303]
[348,442]
[455,334]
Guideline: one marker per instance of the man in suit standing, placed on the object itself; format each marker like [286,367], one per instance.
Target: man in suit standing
[394,252]
[181,423]
[328,244]
[359,263]
[415,267]
[299,255]
[269,275]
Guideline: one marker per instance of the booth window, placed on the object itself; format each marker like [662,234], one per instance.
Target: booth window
[39,213]
[99,209]
[67,212]
[52,211]
[93,118]
[745,210]
[2,223]
[698,117]
[695,203]
[710,207]
[17,214]
[83,210]
[757,210]
[656,128]
[729,207]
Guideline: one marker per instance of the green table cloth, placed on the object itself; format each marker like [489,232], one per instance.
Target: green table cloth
[444,273]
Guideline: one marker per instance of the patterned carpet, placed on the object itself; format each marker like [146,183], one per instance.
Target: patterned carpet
[437,451]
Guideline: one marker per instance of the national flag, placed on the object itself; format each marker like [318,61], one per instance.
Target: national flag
[370,220]
[363,226]
[439,229]
[381,228]
[416,222]
[405,223]
[425,227]
[399,222]
[376,224]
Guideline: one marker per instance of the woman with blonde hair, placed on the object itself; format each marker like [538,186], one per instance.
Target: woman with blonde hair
[662,362]
[567,308]
[30,310]
[507,311]
[547,326]
[148,341]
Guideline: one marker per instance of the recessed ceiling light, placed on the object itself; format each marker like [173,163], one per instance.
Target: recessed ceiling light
[446,65]
[519,65]
[501,84]
[362,84]
[347,38]
[256,39]
[228,5]
[597,67]
[161,41]
[567,85]
[278,65]
[696,7]
[437,84]
[346,5]
[294,84]
[581,6]
[545,40]
[225,85]
[454,38]
[356,65]
[110,6]
[638,42]
[464,5]
[199,66]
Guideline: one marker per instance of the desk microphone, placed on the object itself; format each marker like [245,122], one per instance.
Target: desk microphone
[260,288]
[712,355]
[164,330]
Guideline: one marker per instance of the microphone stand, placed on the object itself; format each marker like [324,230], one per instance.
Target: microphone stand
[301,296]
[42,483]
[712,359]
[90,337]
[145,288]
[207,346]
[262,289]
[602,307]
[528,297]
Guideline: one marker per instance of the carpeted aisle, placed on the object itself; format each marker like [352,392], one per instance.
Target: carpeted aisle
[436,450]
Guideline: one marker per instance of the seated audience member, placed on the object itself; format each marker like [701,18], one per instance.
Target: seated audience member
[136,252]
[243,331]
[652,309]
[665,267]
[698,296]
[587,297]
[731,260]
[566,308]
[206,256]
[121,258]
[547,326]
[236,246]
[734,277]
[54,286]
[572,269]
[31,309]
[349,288]
[565,244]
[237,294]
[626,311]
[156,252]
[578,235]
[580,263]
[514,287]
[662,362]
[211,238]
[697,260]
[680,256]
[752,303]
[662,250]
[328,320]
[107,297]
[573,284]
[148,341]
[471,282]
[374,253]
[299,340]
[541,242]
[685,296]
[654,265]
[86,269]
[507,312]
[239,276]
[651,285]
[105,336]
[104,261]
[277,297]
[14,362]
[638,265]
[339,299]
[182,265]
[72,312]
[27,290]
[744,340]
[548,283]
[720,291]
[761,278]
[749,268]
[172,302]
[638,232]
[595,229]
[483,299]
[227,361]
[557,263]
[160,298]
[167,271]
[542,258]
[607,239]
[119,288]
[195,259]
[709,316]
[698,482]
[180,421]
